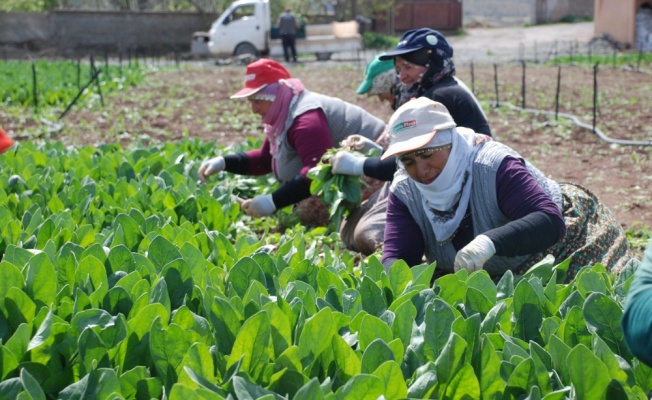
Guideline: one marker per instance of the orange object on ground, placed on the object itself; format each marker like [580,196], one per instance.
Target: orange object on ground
[5,141]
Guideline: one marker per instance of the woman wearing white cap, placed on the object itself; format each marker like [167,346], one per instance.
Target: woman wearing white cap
[468,202]
[299,127]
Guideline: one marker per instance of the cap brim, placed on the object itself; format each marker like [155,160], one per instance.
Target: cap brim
[392,54]
[5,143]
[408,145]
[246,92]
[364,87]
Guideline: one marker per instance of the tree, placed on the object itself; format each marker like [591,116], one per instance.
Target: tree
[29,5]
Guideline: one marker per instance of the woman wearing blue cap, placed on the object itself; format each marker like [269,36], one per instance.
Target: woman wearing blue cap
[423,61]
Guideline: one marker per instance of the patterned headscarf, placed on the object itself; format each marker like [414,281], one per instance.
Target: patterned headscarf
[283,95]
[439,65]
[383,83]
[447,197]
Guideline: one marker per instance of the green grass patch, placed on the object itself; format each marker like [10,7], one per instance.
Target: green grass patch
[374,40]
[618,59]
[59,82]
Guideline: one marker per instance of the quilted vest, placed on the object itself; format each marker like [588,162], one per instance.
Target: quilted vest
[484,208]
[344,119]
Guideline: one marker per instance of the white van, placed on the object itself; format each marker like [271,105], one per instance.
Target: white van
[245,28]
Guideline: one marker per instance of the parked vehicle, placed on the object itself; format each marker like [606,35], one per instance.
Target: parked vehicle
[246,28]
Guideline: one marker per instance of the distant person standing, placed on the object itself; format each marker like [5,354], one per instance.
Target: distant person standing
[287,28]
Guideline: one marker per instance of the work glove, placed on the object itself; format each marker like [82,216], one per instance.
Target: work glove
[346,163]
[360,143]
[473,256]
[210,167]
[259,206]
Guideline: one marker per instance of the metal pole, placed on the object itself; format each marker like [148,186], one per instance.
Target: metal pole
[523,84]
[97,82]
[106,64]
[34,88]
[78,73]
[472,77]
[95,75]
[496,84]
[595,94]
[557,91]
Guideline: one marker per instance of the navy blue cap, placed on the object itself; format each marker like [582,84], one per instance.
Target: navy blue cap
[418,39]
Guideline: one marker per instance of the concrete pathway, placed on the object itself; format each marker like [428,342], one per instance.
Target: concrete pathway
[489,45]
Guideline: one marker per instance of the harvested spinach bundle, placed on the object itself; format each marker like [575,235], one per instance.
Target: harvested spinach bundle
[341,193]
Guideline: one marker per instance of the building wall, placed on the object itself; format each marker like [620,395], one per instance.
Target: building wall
[615,18]
[556,10]
[83,32]
[24,28]
[444,15]
[521,12]
[498,12]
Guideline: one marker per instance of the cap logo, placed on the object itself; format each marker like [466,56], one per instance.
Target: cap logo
[250,77]
[404,125]
[432,40]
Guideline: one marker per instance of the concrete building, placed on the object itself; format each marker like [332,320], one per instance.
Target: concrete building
[524,12]
[628,22]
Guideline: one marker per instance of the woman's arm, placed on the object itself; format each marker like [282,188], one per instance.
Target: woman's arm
[637,316]
[310,136]
[382,170]
[403,237]
[252,162]
[537,222]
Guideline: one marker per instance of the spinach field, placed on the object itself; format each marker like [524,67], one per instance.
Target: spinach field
[124,278]
[46,83]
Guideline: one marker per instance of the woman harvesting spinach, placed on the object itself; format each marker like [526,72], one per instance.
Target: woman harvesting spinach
[300,126]
[468,202]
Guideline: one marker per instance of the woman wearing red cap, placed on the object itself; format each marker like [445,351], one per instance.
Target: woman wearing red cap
[469,202]
[299,127]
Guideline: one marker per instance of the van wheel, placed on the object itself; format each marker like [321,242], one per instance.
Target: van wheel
[324,56]
[245,48]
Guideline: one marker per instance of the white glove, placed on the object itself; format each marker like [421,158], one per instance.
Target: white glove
[210,167]
[346,163]
[473,256]
[360,143]
[259,206]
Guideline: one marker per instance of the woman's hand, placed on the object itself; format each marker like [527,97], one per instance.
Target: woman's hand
[210,167]
[346,163]
[259,206]
[473,256]
[360,143]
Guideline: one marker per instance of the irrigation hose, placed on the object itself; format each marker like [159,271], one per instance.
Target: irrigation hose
[579,123]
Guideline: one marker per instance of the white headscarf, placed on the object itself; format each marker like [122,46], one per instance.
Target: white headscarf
[447,197]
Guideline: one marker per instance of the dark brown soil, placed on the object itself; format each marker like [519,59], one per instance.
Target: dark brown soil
[193,102]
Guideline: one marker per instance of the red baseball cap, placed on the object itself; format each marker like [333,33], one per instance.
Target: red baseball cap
[5,141]
[261,73]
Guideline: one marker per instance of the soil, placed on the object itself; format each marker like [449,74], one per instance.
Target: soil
[193,102]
